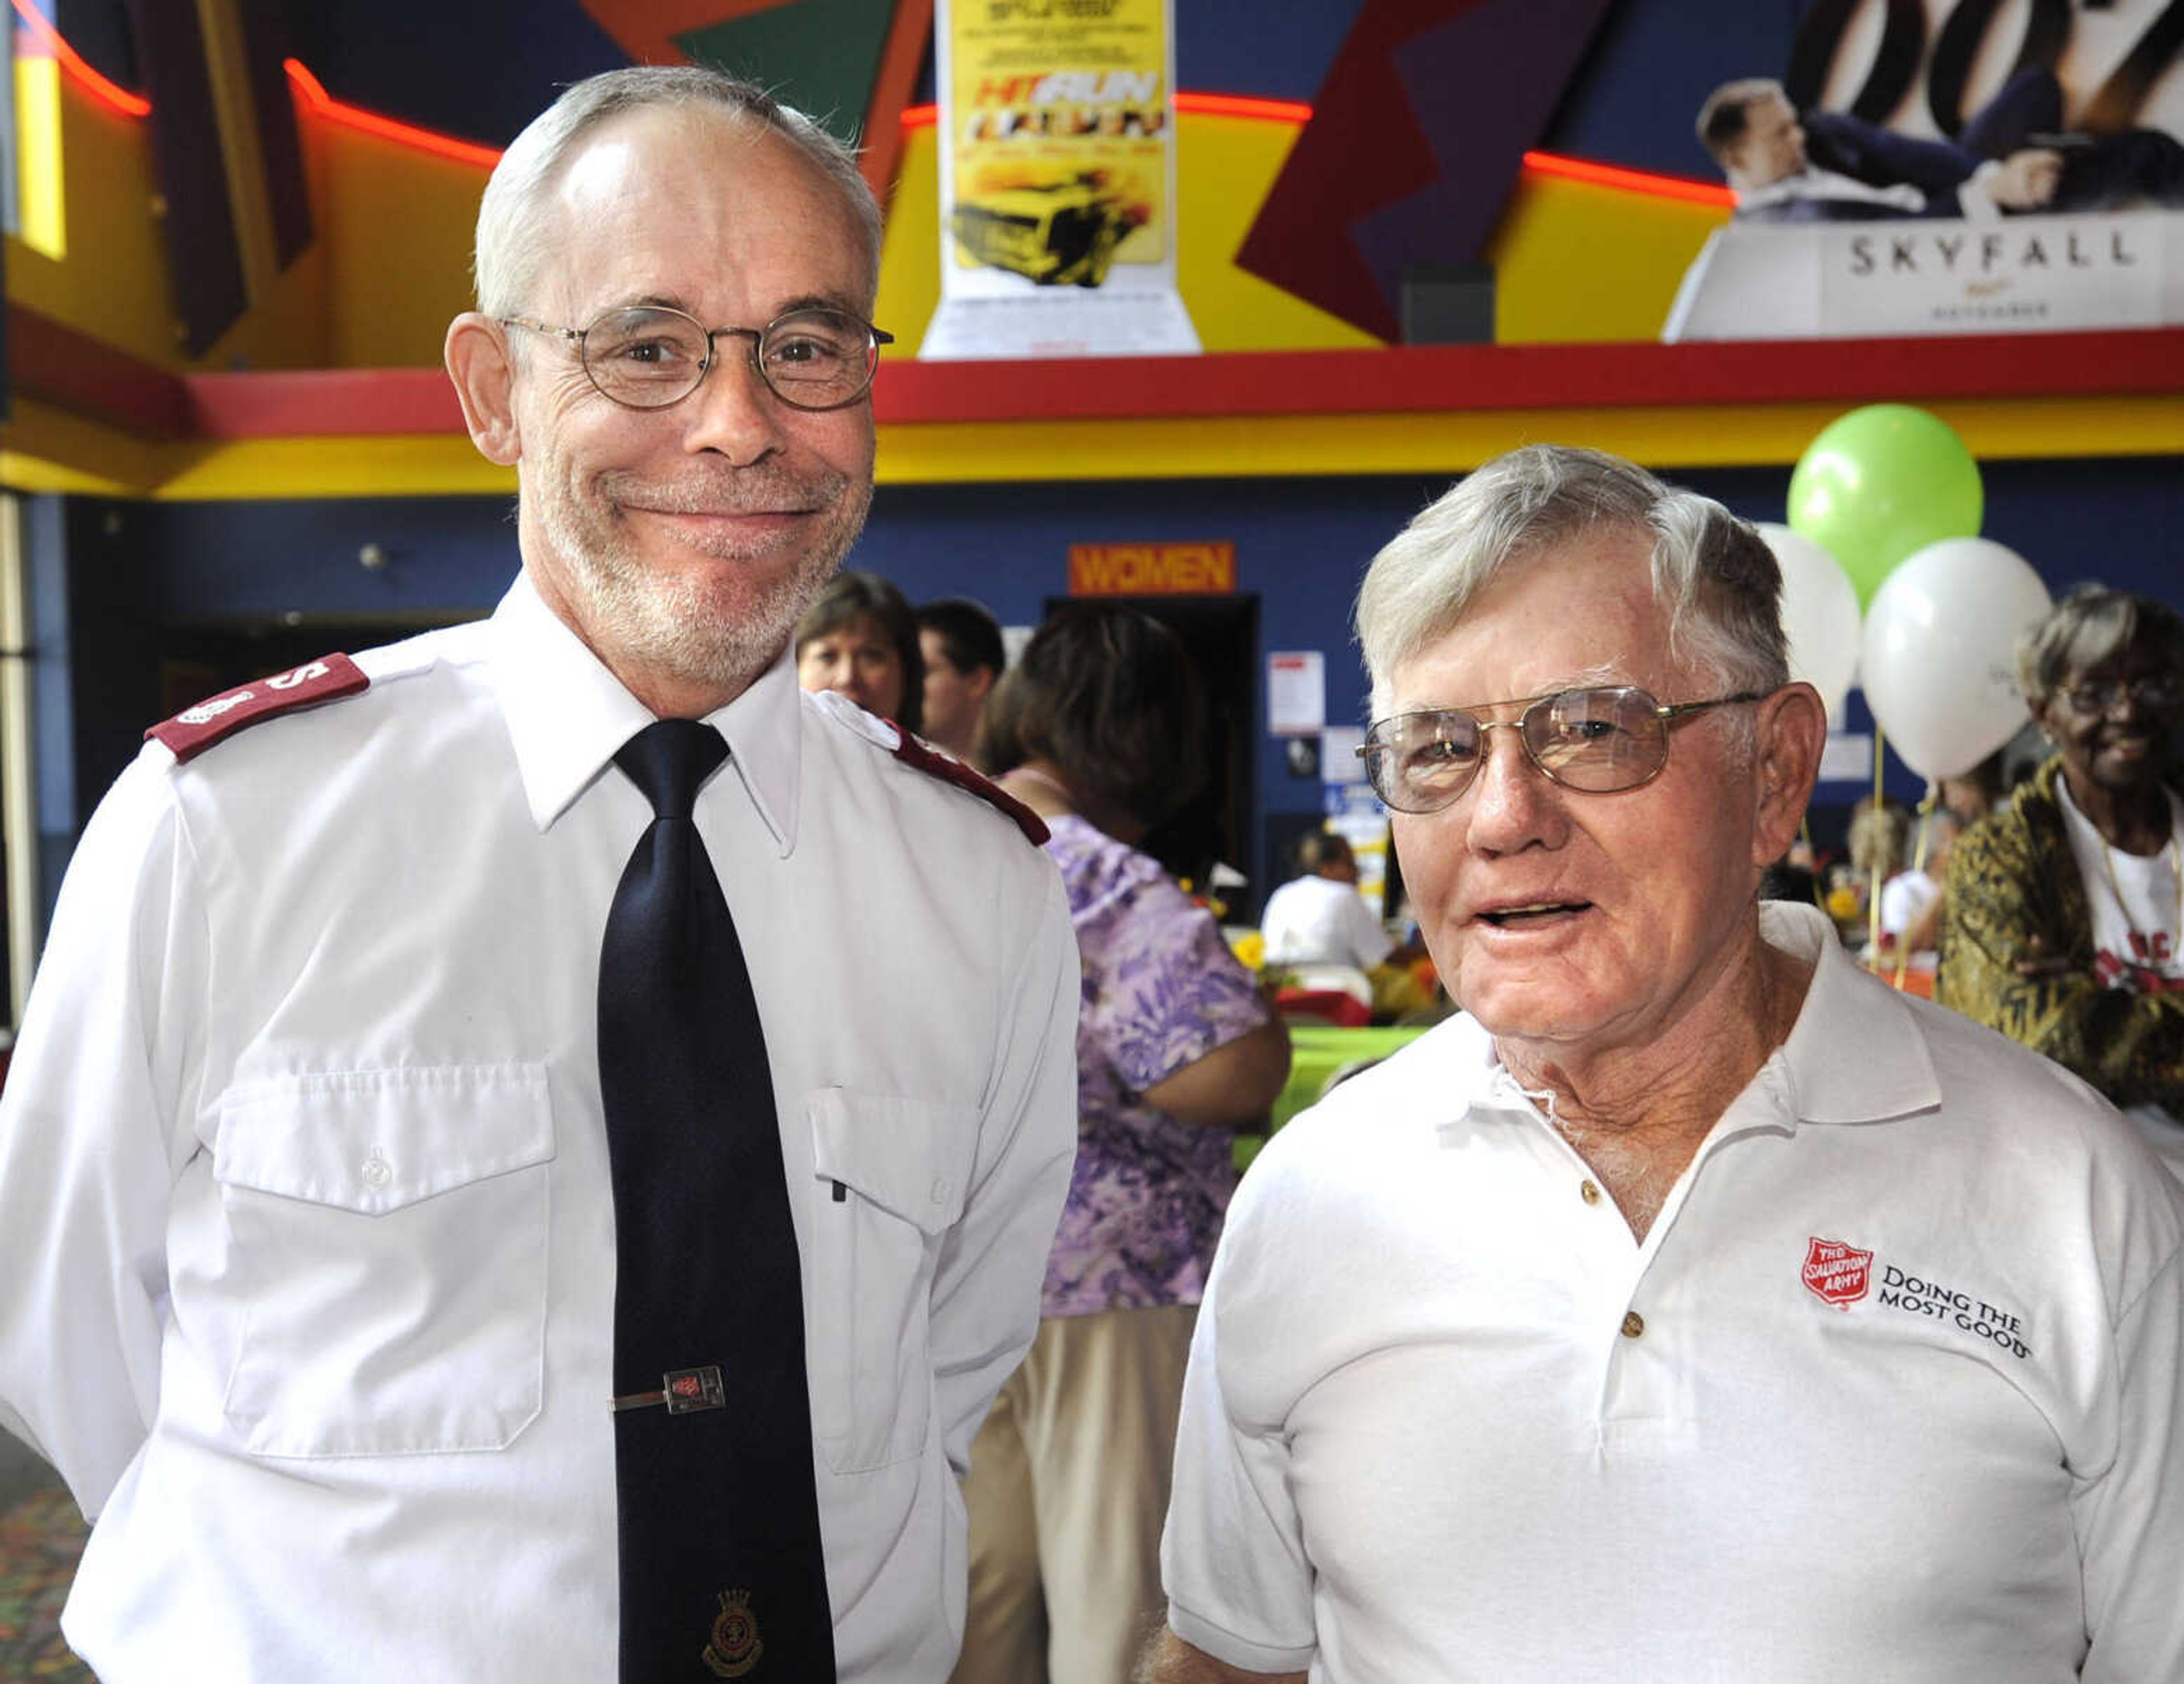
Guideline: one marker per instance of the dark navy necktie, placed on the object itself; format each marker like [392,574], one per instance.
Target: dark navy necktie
[722,1572]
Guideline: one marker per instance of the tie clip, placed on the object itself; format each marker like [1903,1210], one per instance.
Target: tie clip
[684,1391]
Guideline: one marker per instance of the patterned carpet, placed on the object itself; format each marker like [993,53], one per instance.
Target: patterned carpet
[40,1539]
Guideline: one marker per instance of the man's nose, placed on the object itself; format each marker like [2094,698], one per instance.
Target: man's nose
[1513,803]
[733,411]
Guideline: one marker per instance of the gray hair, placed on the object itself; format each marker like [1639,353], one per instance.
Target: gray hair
[513,235]
[1717,577]
[2090,625]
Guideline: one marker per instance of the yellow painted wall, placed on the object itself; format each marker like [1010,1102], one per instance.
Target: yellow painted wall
[110,280]
[396,225]
[1574,261]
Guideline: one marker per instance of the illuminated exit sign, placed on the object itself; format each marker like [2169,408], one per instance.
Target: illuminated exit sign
[1152,569]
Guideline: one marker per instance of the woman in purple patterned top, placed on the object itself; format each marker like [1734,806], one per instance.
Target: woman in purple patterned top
[1100,728]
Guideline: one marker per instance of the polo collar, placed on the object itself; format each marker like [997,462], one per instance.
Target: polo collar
[1856,1053]
[568,717]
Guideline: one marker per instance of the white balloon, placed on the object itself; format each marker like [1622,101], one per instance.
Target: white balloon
[1940,661]
[1819,615]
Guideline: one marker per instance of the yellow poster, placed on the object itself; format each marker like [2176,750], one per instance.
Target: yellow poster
[1057,179]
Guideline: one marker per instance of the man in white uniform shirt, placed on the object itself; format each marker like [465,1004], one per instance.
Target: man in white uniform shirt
[307,1258]
[1696,1307]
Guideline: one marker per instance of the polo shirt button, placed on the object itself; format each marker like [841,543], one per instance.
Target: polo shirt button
[377,1171]
[1589,1191]
[1633,1324]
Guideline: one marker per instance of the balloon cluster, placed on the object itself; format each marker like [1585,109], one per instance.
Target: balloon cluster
[1885,510]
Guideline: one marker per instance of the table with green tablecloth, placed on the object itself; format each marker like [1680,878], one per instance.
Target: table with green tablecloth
[1317,1051]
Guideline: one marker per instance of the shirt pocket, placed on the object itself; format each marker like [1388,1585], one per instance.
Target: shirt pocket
[888,1184]
[387,1253]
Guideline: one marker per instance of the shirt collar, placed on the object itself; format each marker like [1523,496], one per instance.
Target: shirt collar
[1813,182]
[568,716]
[1854,1055]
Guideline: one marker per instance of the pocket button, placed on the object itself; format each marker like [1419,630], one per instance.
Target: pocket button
[941,1188]
[377,1171]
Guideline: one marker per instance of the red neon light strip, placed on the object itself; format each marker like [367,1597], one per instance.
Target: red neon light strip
[120,99]
[1630,180]
[370,123]
[1243,105]
[324,104]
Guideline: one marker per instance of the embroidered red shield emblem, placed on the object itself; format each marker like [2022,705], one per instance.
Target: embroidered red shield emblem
[1837,1274]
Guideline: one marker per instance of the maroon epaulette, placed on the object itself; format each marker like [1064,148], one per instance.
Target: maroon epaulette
[195,729]
[910,751]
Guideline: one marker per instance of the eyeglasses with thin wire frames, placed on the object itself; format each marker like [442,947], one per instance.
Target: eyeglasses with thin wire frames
[648,356]
[1600,739]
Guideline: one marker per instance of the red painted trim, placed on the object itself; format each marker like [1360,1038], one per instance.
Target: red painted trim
[1438,378]
[908,31]
[56,365]
[322,403]
[1407,380]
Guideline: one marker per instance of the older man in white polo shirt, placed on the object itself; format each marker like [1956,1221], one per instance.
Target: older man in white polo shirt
[1695,1308]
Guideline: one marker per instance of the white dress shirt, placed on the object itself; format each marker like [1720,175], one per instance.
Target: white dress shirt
[1893,1388]
[306,1232]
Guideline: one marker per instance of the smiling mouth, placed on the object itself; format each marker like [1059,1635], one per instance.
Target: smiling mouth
[1535,912]
[720,514]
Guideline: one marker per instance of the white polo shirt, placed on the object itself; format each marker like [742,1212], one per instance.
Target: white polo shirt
[1891,1390]
[307,1235]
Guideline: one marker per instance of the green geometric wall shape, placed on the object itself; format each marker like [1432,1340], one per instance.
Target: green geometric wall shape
[821,56]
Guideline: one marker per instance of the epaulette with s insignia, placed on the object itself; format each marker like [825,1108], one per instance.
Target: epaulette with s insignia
[195,729]
[911,752]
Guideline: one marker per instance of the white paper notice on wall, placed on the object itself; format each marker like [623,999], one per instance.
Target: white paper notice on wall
[1338,755]
[1296,693]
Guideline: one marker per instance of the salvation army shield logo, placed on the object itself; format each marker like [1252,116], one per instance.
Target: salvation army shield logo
[1837,1274]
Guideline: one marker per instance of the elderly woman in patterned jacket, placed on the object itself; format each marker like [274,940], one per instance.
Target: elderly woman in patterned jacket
[2064,926]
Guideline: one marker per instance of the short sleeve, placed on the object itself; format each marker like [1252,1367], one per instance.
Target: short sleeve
[1233,1562]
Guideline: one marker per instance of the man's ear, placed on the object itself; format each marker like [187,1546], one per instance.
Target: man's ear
[478,362]
[980,683]
[1792,727]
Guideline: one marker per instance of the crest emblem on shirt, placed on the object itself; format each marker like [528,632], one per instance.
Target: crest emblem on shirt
[1837,1272]
[735,1649]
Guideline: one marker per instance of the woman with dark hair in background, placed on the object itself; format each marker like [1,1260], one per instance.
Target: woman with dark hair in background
[1100,727]
[2065,910]
[861,638]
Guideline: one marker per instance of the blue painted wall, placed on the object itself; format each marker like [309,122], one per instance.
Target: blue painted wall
[1301,546]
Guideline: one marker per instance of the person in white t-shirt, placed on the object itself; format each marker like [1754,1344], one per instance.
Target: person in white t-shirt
[2064,926]
[1694,1307]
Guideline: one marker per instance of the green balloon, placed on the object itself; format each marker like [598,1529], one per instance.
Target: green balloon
[1881,483]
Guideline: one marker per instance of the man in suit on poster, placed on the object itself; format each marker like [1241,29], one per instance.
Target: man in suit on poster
[2011,157]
